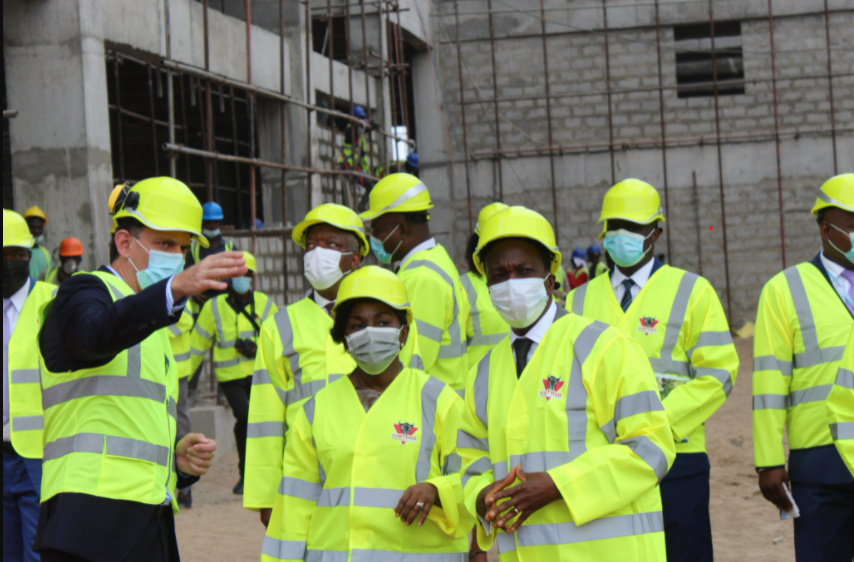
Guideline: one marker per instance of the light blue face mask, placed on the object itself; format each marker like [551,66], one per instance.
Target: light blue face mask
[849,255]
[161,265]
[241,285]
[378,248]
[211,233]
[624,247]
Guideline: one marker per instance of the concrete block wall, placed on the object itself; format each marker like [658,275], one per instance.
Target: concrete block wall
[269,254]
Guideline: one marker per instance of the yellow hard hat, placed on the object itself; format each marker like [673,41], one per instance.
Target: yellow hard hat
[35,212]
[114,196]
[397,193]
[163,204]
[113,227]
[632,200]
[518,222]
[15,230]
[838,191]
[338,216]
[374,282]
[487,212]
[250,262]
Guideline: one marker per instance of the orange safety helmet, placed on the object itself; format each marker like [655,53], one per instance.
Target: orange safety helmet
[71,247]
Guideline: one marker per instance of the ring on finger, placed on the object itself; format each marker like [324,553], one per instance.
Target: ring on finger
[419,505]
[516,511]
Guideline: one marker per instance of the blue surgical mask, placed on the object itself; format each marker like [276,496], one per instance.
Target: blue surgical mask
[161,265]
[241,285]
[849,255]
[378,247]
[211,233]
[624,247]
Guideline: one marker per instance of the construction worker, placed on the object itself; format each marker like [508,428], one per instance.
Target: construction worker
[562,418]
[485,327]
[212,217]
[347,488]
[41,259]
[179,340]
[70,256]
[594,264]
[803,322]
[355,135]
[22,405]
[112,459]
[296,355]
[578,276]
[840,406]
[232,323]
[400,233]
[678,320]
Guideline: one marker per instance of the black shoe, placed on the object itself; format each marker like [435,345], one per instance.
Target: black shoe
[238,488]
[185,499]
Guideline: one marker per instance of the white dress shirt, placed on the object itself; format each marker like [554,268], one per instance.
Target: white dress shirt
[841,284]
[640,277]
[537,331]
[322,302]
[426,245]
[12,313]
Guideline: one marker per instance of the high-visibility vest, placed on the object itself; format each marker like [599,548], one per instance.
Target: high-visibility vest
[179,339]
[346,469]
[25,395]
[680,324]
[40,261]
[50,276]
[109,431]
[802,327]
[196,250]
[585,409]
[296,358]
[219,324]
[840,406]
[484,327]
[440,308]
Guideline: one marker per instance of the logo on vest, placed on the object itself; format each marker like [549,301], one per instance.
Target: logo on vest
[552,388]
[404,432]
[648,325]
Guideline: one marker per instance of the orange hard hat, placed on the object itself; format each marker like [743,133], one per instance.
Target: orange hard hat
[71,247]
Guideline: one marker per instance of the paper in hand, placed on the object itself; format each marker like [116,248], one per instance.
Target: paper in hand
[793,513]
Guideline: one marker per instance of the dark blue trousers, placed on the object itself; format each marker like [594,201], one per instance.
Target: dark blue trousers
[685,505]
[21,485]
[825,530]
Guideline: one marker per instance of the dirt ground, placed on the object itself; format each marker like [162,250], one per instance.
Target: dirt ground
[744,525]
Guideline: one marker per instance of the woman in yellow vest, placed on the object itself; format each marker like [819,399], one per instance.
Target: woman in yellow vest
[370,465]
[232,321]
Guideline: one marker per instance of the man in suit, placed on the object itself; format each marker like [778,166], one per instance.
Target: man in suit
[112,459]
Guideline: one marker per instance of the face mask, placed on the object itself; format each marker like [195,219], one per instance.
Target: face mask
[519,301]
[373,349]
[322,267]
[241,285]
[624,247]
[578,262]
[849,255]
[39,239]
[211,233]
[378,247]
[69,267]
[161,265]
[15,273]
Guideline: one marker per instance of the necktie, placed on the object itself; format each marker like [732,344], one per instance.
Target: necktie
[521,347]
[849,276]
[7,333]
[627,295]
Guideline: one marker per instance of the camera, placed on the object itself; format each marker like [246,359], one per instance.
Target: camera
[246,347]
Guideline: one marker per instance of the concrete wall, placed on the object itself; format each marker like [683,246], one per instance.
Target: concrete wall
[580,127]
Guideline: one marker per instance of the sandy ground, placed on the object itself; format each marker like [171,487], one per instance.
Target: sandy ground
[745,526]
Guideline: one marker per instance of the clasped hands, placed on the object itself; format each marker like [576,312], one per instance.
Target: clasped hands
[536,489]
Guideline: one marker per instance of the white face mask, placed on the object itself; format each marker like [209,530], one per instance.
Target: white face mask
[520,301]
[321,267]
[373,349]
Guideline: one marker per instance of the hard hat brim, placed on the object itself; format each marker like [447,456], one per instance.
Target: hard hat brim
[197,236]
[399,205]
[824,201]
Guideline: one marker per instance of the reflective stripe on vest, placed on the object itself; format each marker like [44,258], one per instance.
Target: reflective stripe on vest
[456,347]
[478,338]
[617,526]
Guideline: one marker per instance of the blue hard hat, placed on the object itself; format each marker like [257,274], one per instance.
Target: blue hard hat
[212,212]
[594,249]
[359,112]
[259,224]
[579,253]
[413,160]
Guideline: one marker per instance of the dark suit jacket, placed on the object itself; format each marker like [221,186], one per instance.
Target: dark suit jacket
[84,328]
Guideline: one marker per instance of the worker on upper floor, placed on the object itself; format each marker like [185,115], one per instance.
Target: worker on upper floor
[577,276]
[70,256]
[231,322]
[803,322]
[562,418]
[840,406]
[354,149]
[296,354]
[595,265]
[679,322]
[41,259]
[22,400]
[485,327]
[409,166]
[400,233]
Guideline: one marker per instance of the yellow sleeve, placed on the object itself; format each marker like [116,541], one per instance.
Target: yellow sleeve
[773,350]
[202,337]
[624,397]
[840,407]
[432,307]
[713,360]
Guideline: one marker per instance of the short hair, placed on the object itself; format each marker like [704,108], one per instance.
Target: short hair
[471,246]
[820,216]
[546,255]
[339,325]
[416,217]
[133,226]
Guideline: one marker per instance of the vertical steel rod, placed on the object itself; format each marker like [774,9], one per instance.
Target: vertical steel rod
[184,129]
[251,101]
[662,119]
[331,57]
[401,69]
[170,93]
[830,85]
[495,104]
[236,150]
[154,143]
[308,98]
[119,117]
[555,222]
[463,117]
[282,137]
[608,94]
[777,134]
[208,114]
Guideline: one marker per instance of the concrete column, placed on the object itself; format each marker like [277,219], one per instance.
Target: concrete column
[60,140]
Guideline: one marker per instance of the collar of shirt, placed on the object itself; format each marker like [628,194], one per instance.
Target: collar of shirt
[640,277]
[321,302]
[538,330]
[171,306]
[19,297]
[833,269]
[426,245]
